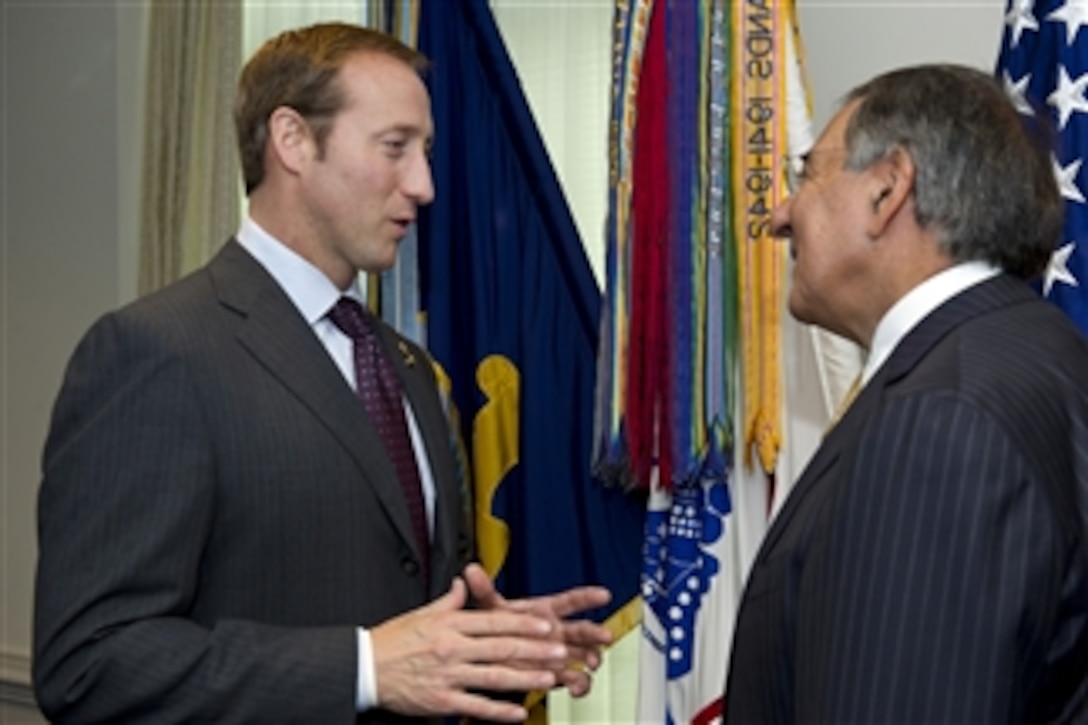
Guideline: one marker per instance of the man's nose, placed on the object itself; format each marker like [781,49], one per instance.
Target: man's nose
[418,183]
[780,219]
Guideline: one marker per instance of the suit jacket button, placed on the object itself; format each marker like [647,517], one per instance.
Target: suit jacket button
[409,565]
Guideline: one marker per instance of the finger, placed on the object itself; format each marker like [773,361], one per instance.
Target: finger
[474,707]
[501,622]
[586,633]
[503,678]
[482,587]
[453,600]
[479,707]
[577,682]
[515,652]
[592,660]
[584,657]
[579,599]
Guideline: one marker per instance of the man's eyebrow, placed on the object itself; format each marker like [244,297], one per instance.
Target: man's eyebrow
[411,130]
[405,128]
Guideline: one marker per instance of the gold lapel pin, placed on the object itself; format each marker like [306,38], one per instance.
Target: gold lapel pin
[409,358]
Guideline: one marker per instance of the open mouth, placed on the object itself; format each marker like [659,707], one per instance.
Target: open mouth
[403,225]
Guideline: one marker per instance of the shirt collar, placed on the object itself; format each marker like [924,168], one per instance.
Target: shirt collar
[913,307]
[309,289]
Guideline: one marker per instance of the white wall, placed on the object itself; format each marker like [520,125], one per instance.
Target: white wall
[70,91]
[68,246]
[849,41]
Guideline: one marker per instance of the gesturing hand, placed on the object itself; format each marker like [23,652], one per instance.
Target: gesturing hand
[435,660]
[583,638]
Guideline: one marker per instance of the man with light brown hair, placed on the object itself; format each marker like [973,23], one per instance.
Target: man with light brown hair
[228,530]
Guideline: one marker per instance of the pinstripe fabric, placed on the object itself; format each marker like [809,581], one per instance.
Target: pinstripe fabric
[931,565]
[216,514]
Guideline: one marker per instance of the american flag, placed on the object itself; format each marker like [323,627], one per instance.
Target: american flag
[1044,68]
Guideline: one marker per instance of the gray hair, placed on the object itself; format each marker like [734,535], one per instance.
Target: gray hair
[983,181]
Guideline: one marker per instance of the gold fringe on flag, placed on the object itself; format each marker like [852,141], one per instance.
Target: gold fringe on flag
[759,145]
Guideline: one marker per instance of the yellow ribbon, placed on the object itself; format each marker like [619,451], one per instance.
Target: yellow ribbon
[759,145]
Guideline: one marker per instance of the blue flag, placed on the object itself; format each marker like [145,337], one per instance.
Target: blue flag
[1044,68]
[511,310]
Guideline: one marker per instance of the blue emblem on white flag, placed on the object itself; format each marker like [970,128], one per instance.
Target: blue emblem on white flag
[679,565]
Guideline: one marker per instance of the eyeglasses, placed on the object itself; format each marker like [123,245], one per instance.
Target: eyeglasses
[793,165]
[796,166]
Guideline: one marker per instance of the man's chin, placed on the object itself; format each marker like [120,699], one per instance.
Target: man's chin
[798,311]
[388,258]
[373,266]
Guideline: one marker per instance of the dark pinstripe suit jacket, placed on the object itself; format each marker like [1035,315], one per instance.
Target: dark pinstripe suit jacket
[216,513]
[931,565]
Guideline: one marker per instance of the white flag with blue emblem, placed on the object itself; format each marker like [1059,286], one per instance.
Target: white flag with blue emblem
[701,539]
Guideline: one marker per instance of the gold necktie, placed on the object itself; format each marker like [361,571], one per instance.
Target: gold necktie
[845,403]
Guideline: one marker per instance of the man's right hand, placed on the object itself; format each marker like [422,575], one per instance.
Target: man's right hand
[438,659]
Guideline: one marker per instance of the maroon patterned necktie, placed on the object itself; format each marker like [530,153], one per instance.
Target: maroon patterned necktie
[377,386]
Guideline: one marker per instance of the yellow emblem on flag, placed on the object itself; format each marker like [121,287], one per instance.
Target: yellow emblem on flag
[495,452]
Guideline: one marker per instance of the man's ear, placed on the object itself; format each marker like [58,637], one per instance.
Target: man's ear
[892,185]
[290,141]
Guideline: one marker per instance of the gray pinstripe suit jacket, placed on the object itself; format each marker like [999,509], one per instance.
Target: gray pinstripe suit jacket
[217,515]
[931,565]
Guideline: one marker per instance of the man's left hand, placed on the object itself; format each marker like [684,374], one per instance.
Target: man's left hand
[584,638]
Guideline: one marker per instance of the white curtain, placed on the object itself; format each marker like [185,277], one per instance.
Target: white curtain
[265,18]
[562,52]
[190,169]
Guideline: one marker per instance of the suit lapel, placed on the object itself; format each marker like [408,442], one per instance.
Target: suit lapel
[1000,291]
[992,294]
[280,339]
[837,440]
[413,370]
